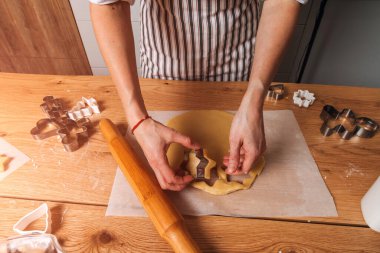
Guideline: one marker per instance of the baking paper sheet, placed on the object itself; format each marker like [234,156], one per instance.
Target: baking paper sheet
[290,184]
[17,158]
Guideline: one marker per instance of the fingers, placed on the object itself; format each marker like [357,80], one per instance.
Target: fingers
[154,143]
[246,160]
[226,160]
[184,140]
[166,177]
[234,158]
[226,157]
[176,183]
[180,172]
[249,159]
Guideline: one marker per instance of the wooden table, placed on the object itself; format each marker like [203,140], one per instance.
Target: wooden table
[77,185]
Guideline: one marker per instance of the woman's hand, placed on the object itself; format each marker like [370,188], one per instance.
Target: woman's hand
[247,138]
[154,139]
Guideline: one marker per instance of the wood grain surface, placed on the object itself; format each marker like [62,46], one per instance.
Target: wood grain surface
[84,178]
[40,37]
[83,228]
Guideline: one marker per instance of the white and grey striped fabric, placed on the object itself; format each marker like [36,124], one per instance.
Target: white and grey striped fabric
[198,40]
[209,40]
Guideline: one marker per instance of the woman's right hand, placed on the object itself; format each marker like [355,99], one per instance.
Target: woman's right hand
[154,139]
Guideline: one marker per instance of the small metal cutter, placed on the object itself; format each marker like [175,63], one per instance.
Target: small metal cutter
[73,133]
[348,125]
[52,107]
[276,91]
[202,164]
[57,123]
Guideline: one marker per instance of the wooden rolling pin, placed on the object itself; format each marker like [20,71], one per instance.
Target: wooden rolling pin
[165,217]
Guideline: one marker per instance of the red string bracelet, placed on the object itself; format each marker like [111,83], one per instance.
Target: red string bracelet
[139,123]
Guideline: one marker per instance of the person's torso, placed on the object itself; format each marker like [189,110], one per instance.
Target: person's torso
[211,40]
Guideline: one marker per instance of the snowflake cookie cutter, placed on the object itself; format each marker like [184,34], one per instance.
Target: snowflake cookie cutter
[303,98]
[348,125]
[84,109]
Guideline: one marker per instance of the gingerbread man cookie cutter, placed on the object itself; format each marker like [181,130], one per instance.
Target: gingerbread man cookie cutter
[349,125]
[52,107]
[73,133]
[70,131]
[45,128]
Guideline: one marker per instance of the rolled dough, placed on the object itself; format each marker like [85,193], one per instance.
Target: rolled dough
[211,129]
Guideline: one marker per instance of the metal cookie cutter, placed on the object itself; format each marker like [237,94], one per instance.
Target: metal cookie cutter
[349,125]
[203,162]
[276,91]
[45,128]
[198,164]
[70,131]
[73,133]
[52,107]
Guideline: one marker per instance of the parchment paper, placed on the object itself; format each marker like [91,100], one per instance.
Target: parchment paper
[290,184]
[17,158]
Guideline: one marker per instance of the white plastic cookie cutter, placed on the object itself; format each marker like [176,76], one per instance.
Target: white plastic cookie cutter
[84,109]
[303,98]
[34,215]
[32,240]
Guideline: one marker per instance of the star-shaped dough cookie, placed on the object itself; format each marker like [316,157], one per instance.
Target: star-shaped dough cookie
[3,162]
[223,186]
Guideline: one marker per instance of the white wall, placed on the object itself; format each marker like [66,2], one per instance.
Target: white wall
[81,12]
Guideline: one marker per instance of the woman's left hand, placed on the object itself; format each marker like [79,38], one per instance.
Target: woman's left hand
[247,138]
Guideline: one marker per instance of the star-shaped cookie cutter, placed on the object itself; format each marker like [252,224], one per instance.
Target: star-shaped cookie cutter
[349,125]
[200,166]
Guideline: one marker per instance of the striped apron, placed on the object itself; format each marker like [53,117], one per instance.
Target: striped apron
[207,40]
